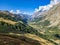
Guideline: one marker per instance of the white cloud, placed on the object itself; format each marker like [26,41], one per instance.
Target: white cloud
[11,11]
[15,12]
[47,7]
[18,12]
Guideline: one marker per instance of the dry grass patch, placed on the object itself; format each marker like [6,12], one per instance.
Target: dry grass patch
[51,31]
[41,40]
[8,21]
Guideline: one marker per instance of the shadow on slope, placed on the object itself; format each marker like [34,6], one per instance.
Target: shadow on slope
[13,40]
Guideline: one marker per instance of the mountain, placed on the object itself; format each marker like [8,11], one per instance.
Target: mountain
[48,23]
[13,31]
[51,15]
[42,9]
[16,17]
[43,28]
[24,15]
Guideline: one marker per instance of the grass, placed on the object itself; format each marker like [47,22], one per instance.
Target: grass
[29,38]
[49,33]
[7,21]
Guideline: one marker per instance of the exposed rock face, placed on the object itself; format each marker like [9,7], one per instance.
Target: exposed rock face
[53,15]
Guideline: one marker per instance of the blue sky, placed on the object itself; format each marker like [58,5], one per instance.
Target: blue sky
[22,5]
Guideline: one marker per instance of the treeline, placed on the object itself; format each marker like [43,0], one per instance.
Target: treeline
[17,28]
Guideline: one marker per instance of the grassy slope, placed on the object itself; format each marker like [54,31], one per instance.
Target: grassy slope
[30,38]
[41,26]
[8,21]
[8,27]
[5,40]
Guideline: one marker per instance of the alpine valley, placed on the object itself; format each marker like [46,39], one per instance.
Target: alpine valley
[41,28]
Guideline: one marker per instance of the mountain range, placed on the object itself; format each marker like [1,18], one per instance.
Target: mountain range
[48,23]
[41,28]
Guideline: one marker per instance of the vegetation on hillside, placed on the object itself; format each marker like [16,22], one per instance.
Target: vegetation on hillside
[15,25]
